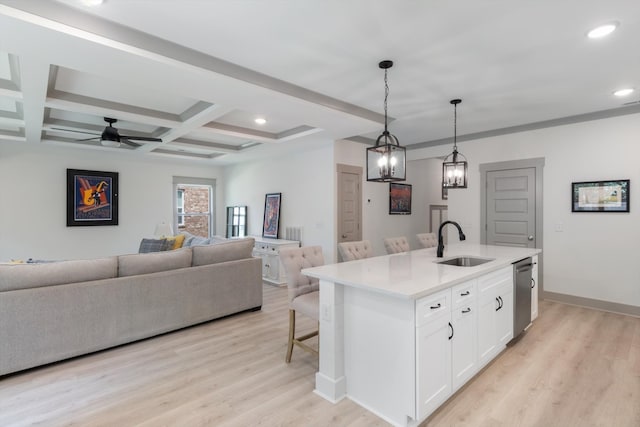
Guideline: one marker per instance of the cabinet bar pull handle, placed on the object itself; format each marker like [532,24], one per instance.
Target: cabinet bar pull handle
[464,294]
[501,302]
[533,283]
[499,305]
[468,310]
[433,307]
[451,326]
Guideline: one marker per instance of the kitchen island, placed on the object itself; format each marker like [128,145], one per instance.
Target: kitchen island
[400,333]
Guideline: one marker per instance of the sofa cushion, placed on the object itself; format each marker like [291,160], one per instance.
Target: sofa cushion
[23,276]
[131,265]
[198,241]
[222,252]
[155,245]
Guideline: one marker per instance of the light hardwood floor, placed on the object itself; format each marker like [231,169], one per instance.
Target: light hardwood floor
[573,367]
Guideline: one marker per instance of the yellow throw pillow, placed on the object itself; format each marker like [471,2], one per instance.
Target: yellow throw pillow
[178,241]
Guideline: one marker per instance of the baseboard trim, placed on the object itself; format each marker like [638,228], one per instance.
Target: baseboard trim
[614,307]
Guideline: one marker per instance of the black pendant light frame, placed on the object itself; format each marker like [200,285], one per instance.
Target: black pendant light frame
[386,161]
[455,172]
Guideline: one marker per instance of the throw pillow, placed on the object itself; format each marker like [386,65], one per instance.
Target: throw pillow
[178,241]
[199,241]
[152,245]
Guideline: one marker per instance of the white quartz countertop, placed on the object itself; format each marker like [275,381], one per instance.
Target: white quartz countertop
[416,273]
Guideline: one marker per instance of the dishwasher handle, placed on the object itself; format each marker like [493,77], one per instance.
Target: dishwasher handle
[524,268]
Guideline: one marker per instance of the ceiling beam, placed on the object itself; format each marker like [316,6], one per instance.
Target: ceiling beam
[194,118]
[34,80]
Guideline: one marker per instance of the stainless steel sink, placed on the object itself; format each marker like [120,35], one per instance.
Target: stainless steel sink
[465,261]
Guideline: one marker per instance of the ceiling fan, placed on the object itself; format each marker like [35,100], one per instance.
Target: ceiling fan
[111,137]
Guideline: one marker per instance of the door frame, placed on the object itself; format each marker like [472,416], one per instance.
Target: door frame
[536,163]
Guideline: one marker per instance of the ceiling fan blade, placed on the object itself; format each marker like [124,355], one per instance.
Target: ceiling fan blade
[95,138]
[141,138]
[75,131]
[125,140]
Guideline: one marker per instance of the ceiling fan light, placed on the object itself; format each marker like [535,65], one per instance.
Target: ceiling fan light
[110,143]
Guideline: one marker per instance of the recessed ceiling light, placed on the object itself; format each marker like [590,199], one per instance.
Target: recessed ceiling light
[623,92]
[260,121]
[602,30]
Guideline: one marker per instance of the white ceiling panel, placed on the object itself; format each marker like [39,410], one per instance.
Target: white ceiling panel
[125,92]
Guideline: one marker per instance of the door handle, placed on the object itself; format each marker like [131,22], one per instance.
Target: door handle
[533,283]
[530,238]
[451,326]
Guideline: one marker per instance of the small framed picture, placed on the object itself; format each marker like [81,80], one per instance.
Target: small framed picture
[271,221]
[399,199]
[92,198]
[600,196]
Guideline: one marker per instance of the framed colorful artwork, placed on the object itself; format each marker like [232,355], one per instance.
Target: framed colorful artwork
[600,196]
[271,221]
[92,198]
[399,199]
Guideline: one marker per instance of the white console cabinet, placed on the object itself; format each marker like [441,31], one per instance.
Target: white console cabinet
[269,250]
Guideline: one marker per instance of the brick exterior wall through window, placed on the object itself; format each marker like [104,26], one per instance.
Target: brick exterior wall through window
[197,216]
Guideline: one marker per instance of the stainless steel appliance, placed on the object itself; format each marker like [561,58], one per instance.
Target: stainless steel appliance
[522,295]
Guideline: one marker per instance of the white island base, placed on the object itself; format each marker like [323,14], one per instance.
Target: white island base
[399,334]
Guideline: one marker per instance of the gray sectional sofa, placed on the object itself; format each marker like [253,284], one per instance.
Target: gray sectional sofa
[54,311]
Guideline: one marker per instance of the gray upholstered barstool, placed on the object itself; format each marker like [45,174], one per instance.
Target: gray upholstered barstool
[350,251]
[304,294]
[395,245]
[427,240]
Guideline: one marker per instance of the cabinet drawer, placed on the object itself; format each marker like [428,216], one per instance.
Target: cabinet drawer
[463,294]
[433,306]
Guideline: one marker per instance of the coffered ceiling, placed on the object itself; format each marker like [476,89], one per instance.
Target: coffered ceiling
[197,73]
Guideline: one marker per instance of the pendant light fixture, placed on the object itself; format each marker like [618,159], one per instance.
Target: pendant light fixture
[386,161]
[454,171]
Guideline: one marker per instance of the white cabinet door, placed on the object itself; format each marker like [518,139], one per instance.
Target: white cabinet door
[504,316]
[463,344]
[433,364]
[495,313]
[487,343]
[534,289]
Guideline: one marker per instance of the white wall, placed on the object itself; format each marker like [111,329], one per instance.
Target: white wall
[590,255]
[422,174]
[306,181]
[33,208]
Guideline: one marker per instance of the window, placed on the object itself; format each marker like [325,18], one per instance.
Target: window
[194,206]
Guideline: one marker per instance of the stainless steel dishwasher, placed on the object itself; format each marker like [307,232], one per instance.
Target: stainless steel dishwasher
[522,295]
